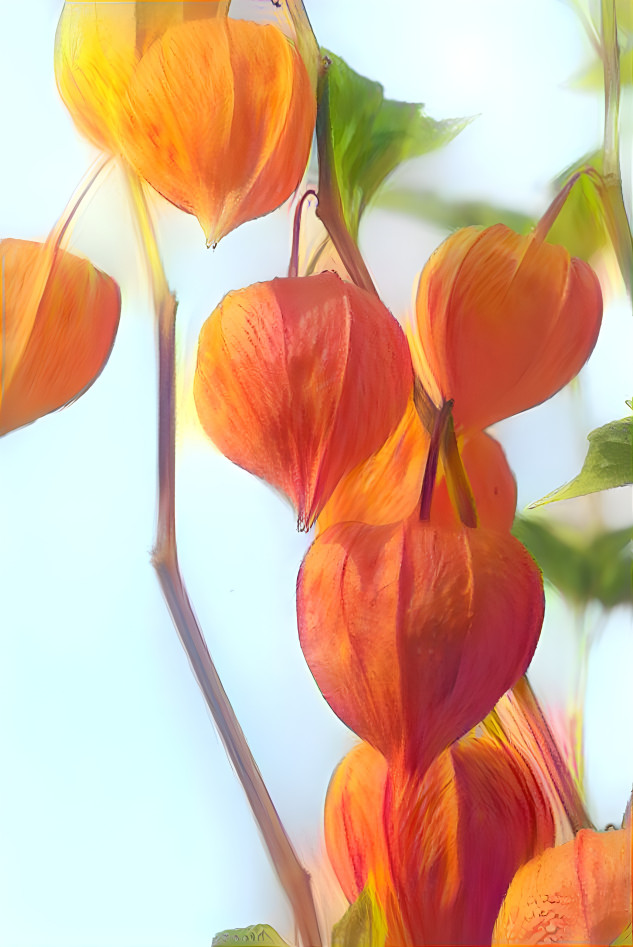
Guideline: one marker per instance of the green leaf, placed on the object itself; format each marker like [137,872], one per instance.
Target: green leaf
[256,934]
[583,569]
[609,463]
[371,136]
[451,215]
[581,225]
[363,924]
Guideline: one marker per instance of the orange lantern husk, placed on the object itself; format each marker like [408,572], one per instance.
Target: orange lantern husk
[457,836]
[503,321]
[576,893]
[59,323]
[414,631]
[218,117]
[300,379]
[97,48]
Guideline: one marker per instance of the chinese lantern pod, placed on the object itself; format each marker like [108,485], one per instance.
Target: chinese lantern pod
[503,322]
[219,117]
[300,379]
[354,833]
[492,482]
[576,893]
[97,48]
[56,341]
[414,631]
[457,836]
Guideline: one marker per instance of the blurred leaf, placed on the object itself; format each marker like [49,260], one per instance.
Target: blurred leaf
[371,136]
[581,225]
[609,463]
[582,569]
[256,934]
[450,215]
[363,924]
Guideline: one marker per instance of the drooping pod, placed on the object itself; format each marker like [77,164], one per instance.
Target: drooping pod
[300,379]
[503,321]
[218,117]
[414,631]
[97,48]
[576,893]
[59,323]
[457,836]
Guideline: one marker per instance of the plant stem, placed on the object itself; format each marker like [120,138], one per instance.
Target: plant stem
[294,879]
[293,266]
[459,489]
[330,207]
[430,471]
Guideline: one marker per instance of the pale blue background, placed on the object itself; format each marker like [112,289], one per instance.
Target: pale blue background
[121,822]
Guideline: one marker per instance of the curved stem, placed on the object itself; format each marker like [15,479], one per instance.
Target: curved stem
[458,485]
[330,207]
[293,877]
[430,471]
[293,266]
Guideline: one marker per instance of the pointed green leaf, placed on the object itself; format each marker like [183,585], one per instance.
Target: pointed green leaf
[371,136]
[581,226]
[582,568]
[363,924]
[256,934]
[609,463]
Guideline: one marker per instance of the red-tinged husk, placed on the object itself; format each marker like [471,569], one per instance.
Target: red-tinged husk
[219,117]
[503,322]
[298,380]
[59,323]
[413,631]
[457,836]
[576,893]
[354,833]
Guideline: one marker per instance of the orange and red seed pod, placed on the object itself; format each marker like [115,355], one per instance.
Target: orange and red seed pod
[503,322]
[59,321]
[219,117]
[97,48]
[457,836]
[414,631]
[300,379]
[492,482]
[354,833]
[576,893]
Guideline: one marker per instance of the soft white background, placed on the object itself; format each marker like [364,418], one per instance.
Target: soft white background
[121,822]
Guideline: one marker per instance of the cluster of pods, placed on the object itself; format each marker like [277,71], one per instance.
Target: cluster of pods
[417,608]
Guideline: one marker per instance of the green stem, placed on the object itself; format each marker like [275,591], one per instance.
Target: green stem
[330,207]
[294,879]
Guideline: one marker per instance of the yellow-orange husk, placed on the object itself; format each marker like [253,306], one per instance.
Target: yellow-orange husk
[414,631]
[503,321]
[59,323]
[219,117]
[576,893]
[97,48]
[457,836]
[300,379]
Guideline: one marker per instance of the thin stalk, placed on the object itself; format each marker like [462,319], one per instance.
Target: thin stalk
[294,879]
[293,266]
[330,208]
[430,471]
[524,698]
[459,489]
